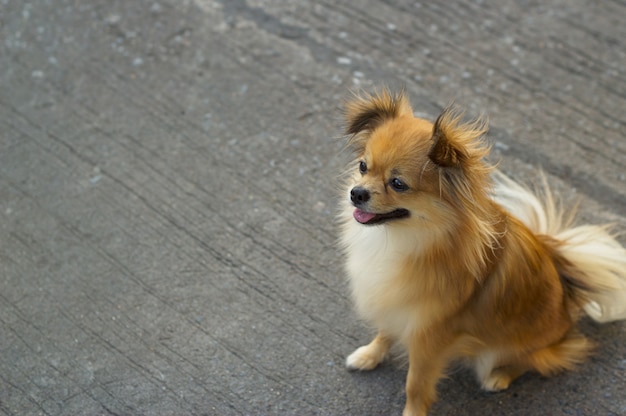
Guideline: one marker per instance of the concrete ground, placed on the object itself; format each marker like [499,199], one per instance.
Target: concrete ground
[168,176]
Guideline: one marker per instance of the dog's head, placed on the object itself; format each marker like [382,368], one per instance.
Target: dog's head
[409,169]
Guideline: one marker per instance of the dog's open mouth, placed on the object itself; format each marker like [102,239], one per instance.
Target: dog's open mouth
[371,218]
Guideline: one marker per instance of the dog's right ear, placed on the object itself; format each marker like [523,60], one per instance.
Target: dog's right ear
[364,114]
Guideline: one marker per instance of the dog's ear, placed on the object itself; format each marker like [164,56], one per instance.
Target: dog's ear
[444,151]
[457,144]
[458,150]
[364,113]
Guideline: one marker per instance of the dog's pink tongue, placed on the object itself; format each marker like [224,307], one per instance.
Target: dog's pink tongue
[362,216]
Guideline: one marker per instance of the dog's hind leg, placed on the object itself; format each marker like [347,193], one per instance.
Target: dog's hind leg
[496,373]
[564,355]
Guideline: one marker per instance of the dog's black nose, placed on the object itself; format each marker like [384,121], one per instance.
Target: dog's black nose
[359,195]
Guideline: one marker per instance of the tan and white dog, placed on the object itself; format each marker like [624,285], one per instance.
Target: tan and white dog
[455,261]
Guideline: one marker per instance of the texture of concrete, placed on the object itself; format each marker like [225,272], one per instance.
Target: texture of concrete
[168,175]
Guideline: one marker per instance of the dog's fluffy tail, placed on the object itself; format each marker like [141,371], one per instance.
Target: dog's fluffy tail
[598,260]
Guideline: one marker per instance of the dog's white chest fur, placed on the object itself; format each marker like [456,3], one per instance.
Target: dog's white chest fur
[375,256]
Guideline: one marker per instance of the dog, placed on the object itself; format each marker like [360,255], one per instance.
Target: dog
[454,261]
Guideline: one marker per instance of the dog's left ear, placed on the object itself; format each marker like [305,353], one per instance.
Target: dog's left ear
[459,151]
[457,144]
[365,113]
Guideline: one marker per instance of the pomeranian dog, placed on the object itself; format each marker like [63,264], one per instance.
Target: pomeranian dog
[456,262]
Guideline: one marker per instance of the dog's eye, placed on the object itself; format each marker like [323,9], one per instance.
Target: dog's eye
[362,167]
[398,185]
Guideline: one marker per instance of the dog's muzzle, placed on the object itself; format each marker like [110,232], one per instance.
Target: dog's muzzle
[359,196]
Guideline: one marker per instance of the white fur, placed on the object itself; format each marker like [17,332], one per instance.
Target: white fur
[592,249]
[484,365]
[365,358]
[372,263]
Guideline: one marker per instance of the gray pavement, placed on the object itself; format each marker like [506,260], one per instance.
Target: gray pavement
[168,185]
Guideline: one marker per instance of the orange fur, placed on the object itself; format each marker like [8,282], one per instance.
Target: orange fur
[446,270]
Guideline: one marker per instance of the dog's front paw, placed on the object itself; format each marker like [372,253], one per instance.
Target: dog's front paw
[364,358]
[410,411]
